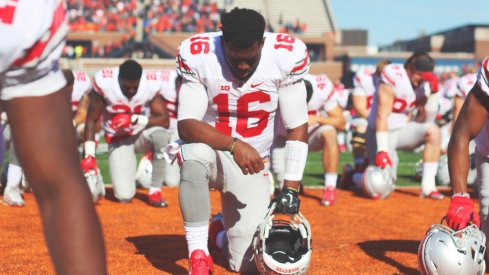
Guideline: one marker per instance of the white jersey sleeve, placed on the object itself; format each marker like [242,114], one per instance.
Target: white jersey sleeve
[169,92]
[81,86]
[465,84]
[295,58]
[323,94]
[363,82]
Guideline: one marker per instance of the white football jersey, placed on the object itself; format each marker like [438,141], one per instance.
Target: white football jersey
[81,86]
[169,93]
[482,139]
[365,84]
[405,97]
[243,109]
[32,34]
[465,84]
[106,83]
[322,98]
[448,89]
[341,95]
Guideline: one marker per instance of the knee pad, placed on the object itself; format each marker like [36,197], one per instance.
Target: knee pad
[358,140]
[199,152]
[159,139]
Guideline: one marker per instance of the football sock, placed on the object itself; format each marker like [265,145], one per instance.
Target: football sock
[330,179]
[14,175]
[428,183]
[197,238]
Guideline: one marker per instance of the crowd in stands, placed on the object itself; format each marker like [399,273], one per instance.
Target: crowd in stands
[146,17]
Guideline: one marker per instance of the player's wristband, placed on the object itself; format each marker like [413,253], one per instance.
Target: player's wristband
[465,195]
[233,145]
[295,159]
[89,147]
[382,138]
[141,120]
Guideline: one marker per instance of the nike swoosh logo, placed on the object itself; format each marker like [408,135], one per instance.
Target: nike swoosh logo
[256,85]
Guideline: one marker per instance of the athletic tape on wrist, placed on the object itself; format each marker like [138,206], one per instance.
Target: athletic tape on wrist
[382,138]
[89,147]
[295,159]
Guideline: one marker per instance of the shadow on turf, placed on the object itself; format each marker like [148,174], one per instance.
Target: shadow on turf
[140,195]
[164,251]
[378,250]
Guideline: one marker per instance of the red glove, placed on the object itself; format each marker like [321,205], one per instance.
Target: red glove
[461,212]
[432,79]
[120,121]
[89,163]
[382,159]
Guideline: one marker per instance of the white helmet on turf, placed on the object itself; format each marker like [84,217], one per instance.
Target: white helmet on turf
[378,183]
[282,244]
[144,172]
[444,251]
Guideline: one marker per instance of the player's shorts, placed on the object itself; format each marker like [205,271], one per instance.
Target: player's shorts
[32,43]
[315,140]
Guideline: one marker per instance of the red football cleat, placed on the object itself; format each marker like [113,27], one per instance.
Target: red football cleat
[156,200]
[200,263]
[329,196]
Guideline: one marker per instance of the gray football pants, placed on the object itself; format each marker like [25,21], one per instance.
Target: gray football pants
[244,199]
[482,164]
[122,160]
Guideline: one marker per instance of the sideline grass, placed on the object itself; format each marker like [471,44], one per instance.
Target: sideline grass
[313,175]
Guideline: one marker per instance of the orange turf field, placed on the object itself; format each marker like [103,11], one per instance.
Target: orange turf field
[356,236]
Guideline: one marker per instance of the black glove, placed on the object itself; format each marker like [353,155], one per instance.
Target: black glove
[287,201]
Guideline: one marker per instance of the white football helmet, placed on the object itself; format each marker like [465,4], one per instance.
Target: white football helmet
[378,183]
[144,172]
[282,244]
[96,184]
[444,251]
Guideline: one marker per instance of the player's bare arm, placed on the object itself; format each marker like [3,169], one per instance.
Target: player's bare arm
[385,99]
[360,105]
[159,113]
[245,156]
[335,118]
[458,148]
[95,109]
[81,112]
[458,102]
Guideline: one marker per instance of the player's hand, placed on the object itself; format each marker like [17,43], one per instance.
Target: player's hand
[461,212]
[432,80]
[120,121]
[89,163]
[287,201]
[383,160]
[247,158]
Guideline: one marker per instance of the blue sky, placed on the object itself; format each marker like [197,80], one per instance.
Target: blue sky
[388,20]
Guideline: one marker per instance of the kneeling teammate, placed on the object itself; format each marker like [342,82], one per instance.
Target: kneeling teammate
[134,118]
[401,89]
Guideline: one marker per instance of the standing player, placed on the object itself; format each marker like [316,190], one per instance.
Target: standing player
[37,103]
[233,83]
[402,88]
[134,115]
[81,85]
[325,119]
[471,123]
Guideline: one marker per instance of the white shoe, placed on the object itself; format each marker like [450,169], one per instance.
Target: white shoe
[12,196]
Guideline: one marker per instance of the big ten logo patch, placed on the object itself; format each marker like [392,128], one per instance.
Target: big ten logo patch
[223,87]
